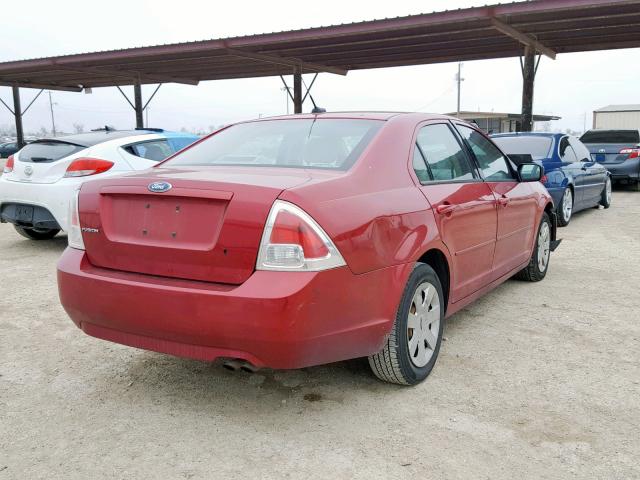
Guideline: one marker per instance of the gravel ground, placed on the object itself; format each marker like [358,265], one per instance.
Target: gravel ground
[533,381]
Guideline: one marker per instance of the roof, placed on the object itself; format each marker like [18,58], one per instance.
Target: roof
[620,108]
[89,139]
[468,115]
[530,134]
[492,31]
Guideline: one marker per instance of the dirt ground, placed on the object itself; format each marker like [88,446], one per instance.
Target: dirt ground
[533,381]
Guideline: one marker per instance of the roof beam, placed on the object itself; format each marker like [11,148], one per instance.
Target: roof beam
[522,38]
[291,62]
[134,76]
[45,86]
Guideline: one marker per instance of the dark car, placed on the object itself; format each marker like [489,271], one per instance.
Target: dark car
[7,149]
[573,179]
[618,151]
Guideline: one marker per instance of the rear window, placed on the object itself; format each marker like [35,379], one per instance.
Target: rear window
[611,136]
[47,151]
[537,147]
[333,144]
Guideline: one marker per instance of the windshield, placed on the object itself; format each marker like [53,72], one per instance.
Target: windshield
[632,137]
[537,147]
[47,151]
[305,143]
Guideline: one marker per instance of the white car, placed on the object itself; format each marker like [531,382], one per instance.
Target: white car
[39,180]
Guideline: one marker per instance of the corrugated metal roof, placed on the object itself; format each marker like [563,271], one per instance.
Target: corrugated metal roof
[632,107]
[556,26]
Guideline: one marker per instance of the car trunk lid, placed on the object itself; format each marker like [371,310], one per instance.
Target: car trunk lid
[608,152]
[206,226]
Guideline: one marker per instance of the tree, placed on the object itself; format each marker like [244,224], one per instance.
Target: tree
[78,127]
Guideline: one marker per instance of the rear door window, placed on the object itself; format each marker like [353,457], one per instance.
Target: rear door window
[579,149]
[156,150]
[444,156]
[490,159]
[566,152]
[46,151]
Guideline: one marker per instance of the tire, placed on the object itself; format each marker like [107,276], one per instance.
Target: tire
[537,270]
[605,199]
[565,209]
[403,360]
[36,233]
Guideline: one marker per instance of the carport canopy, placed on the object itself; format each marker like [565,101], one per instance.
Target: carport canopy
[519,29]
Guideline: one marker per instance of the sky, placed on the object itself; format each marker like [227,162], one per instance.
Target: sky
[572,86]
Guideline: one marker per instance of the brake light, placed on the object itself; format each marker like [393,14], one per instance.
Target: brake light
[632,152]
[81,167]
[543,179]
[74,234]
[8,167]
[293,241]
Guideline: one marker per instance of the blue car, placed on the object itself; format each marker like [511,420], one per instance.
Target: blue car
[573,179]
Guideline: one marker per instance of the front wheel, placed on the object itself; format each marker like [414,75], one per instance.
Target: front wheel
[605,200]
[37,233]
[411,350]
[566,208]
[539,263]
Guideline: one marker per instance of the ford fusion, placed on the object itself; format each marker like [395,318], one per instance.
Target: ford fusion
[308,239]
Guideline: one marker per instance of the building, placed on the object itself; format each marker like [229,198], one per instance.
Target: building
[493,122]
[617,116]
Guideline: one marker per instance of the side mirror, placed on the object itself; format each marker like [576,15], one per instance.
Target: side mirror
[530,172]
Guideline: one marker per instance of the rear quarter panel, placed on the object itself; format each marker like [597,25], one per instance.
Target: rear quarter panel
[375,214]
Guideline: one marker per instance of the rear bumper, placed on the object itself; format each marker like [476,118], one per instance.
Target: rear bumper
[629,170]
[52,197]
[275,319]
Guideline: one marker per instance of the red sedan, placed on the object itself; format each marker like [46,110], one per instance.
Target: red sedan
[306,239]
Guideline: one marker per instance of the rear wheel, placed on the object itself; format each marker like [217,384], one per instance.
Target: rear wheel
[605,200]
[412,348]
[539,263]
[565,208]
[37,233]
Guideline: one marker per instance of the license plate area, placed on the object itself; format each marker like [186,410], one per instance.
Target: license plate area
[24,214]
[162,221]
[600,157]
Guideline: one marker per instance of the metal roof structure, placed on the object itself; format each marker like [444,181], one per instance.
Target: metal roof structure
[620,108]
[493,31]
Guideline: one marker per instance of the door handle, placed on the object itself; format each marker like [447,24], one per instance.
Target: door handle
[503,201]
[446,208]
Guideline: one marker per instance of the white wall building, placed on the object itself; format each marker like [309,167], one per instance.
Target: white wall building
[617,117]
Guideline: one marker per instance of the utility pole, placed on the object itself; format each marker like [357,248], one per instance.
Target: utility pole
[528,79]
[53,120]
[459,79]
[286,96]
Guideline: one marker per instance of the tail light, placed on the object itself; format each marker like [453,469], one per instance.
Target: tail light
[8,167]
[81,167]
[293,241]
[543,179]
[632,152]
[74,234]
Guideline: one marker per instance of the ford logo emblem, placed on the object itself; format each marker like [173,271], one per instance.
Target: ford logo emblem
[159,187]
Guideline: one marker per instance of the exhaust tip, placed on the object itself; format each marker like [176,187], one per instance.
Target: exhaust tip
[238,364]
